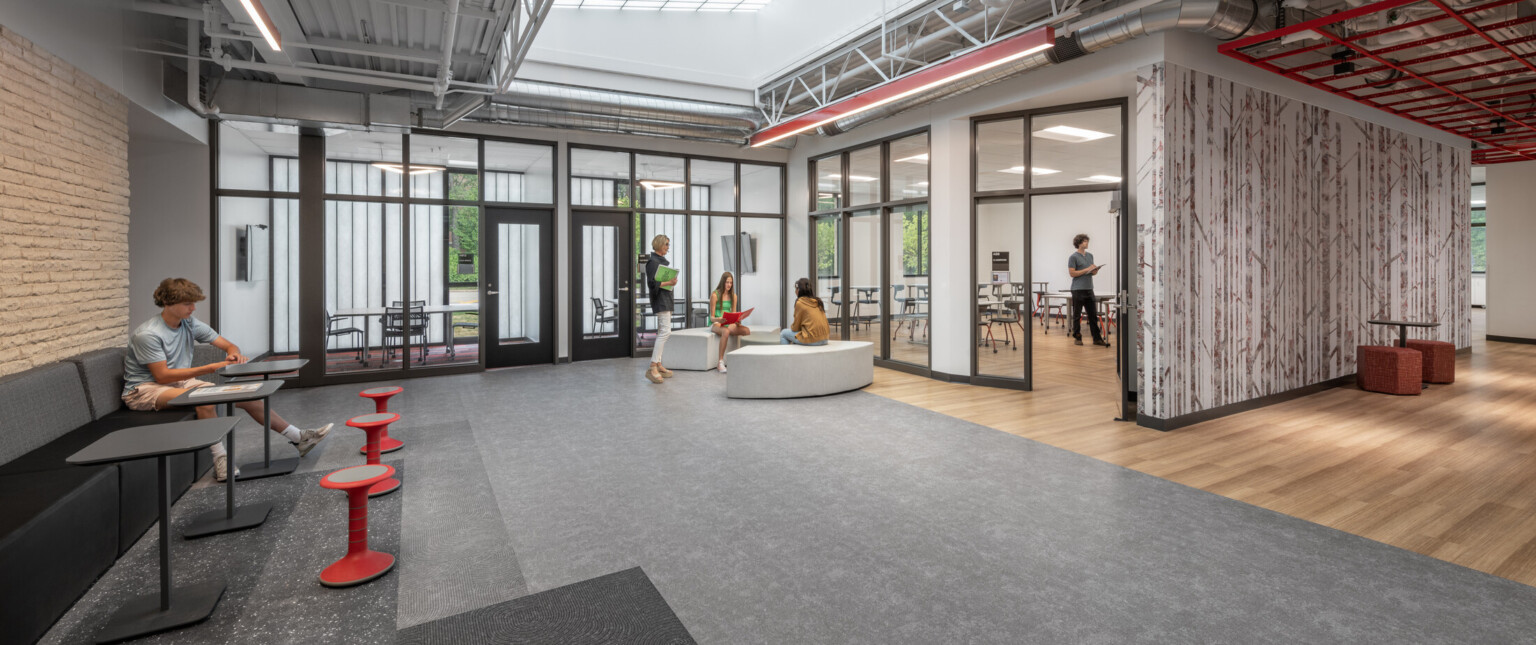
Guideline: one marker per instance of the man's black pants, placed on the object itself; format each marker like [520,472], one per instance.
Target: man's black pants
[1084,298]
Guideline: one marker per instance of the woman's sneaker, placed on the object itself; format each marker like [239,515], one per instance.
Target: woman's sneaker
[721,367]
[221,468]
[308,439]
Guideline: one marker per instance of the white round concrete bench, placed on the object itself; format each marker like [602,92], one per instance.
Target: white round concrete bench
[698,348]
[789,371]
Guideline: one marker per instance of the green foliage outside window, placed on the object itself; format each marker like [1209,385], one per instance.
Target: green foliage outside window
[1479,243]
[826,246]
[464,222]
[915,243]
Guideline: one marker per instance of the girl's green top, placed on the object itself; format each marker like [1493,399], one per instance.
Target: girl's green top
[722,305]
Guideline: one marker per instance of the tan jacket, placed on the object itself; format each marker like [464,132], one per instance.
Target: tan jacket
[810,321]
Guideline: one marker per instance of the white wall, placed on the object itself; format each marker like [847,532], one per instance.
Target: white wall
[1059,218]
[168,225]
[245,307]
[1511,237]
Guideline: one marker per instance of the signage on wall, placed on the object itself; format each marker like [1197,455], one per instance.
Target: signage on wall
[999,260]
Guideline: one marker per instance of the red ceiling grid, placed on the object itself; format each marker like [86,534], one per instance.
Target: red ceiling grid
[1463,68]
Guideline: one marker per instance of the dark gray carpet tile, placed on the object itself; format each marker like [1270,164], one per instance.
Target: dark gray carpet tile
[621,607]
[272,571]
[460,556]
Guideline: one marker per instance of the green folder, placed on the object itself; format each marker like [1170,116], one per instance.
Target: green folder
[664,274]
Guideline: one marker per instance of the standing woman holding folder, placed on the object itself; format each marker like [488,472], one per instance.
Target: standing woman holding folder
[661,304]
[722,301]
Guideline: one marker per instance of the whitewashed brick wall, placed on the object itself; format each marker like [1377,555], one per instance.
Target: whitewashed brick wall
[63,209]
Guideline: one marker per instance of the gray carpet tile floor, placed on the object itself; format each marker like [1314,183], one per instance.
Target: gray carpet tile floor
[621,607]
[855,519]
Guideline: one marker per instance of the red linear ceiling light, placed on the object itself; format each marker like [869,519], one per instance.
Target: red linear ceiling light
[1466,70]
[968,64]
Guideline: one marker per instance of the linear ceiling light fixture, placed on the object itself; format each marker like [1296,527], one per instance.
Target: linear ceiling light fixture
[416,168]
[1019,170]
[1101,179]
[657,184]
[1070,134]
[922,158]
[263,22]
[969,64]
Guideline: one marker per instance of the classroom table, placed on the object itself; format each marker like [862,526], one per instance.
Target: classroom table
[446,311]
[232,518]
[265,369]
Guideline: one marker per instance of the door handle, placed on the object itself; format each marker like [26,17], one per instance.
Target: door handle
[493,293]
[623,288]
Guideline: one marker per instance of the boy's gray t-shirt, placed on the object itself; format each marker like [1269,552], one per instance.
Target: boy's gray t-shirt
[1078,262]
[153,342]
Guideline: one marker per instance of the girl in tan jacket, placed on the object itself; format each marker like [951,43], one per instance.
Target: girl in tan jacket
[810,323]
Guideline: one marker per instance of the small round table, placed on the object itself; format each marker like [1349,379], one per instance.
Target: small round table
[375,424]
[361,564]
[380,396]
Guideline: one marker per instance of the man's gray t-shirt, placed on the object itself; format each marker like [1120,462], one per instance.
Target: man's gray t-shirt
[153,342]
[1078,262]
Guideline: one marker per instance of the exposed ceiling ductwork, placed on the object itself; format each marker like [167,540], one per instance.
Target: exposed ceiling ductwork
[1222,19]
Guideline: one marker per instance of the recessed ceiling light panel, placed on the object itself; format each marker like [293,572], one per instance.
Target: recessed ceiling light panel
[1070,134]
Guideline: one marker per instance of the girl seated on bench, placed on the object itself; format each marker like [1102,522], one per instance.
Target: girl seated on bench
[723,300]
[810,324]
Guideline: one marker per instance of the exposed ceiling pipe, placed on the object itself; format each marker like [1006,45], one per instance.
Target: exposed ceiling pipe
[539,117]
[551,96]
[445,68]
[1223,19]
[194,71]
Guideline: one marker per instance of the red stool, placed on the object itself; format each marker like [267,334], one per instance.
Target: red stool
[1439,359]
[380,396]
[361,564]
[375,424]
[1392,370]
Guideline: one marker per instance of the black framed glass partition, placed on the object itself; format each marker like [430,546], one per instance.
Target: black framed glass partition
[720,215]
[870,229]
[1041,178]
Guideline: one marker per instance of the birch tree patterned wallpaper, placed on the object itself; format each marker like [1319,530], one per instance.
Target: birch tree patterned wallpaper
[1272,230]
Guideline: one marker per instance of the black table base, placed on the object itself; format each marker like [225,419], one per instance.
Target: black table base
[142,616]
[260,469]
[216,522]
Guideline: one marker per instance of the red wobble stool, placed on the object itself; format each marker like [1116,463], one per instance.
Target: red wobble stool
[375,424]
[1392,370]
[361,564]
[380,396]
[1439,360]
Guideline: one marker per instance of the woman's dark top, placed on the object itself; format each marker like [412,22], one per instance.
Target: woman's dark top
[661,299]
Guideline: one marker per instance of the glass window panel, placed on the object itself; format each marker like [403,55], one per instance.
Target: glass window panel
[710,241]
[762,189]
[714,185]
[661,182]
[363,163]
[1076,148]
[285,276]
[1479,216]
[864,276]
[599,178]
[599,281]
[461,269]
[910,232]
[864,176]
[999,229]
[1479,195]
[1479,248]
[244,272]
[1000,155]
[827,248]
[909,167]
[829,183]
[760,271]
[245,152]
[362,276]
[434,160]
[520,172]
[519,319]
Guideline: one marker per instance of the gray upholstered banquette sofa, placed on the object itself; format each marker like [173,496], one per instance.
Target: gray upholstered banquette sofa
[62,526]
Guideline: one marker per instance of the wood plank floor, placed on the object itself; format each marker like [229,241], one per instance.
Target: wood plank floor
[1450,474]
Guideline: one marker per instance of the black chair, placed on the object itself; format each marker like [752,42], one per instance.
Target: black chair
[984,319]
[866,297]
[1009,315]
[331,331]
[837,304]
[603,313]
[453,330]
[401,323]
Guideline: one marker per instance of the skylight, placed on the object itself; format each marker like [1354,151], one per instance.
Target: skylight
[735,6]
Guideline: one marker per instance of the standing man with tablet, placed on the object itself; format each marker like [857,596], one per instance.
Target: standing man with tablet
[1082,269]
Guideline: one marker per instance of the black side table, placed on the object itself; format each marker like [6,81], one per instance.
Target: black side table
[174,606]
[232,518]
[266,467]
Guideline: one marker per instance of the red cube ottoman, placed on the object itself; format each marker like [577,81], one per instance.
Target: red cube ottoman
[1439,359]
[1393,370]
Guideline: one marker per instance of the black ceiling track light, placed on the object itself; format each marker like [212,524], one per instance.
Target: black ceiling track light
[1344,66]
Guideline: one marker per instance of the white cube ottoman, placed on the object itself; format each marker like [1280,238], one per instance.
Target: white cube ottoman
[695,348]
[789,371]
